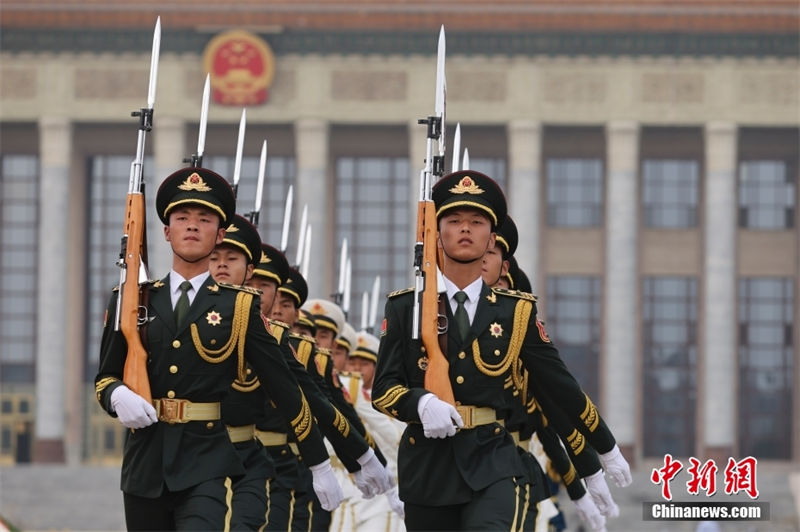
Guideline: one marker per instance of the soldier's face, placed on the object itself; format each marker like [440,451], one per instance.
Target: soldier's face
[465,235]
[229,265]
[268,289]
[325,337]
[193,232]
[494,267]
[284,309]
[339,357]
[365,367]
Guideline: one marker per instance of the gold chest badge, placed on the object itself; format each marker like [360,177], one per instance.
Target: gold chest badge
[496,330]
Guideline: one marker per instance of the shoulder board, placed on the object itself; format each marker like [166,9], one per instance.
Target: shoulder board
[281,324]
[241,288]
[400,292]
[153,283]
[324,351]
[514,293]
[307,338]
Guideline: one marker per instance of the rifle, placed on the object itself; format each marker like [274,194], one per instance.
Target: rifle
[133,249]
[425,320]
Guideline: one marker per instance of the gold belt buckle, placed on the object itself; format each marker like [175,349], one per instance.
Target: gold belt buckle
[466,415]
[171,410]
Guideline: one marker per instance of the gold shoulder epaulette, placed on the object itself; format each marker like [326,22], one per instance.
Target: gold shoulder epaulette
[324,351]
[241,288]
[400,292]
[277,323]
[514,293]
[305,337]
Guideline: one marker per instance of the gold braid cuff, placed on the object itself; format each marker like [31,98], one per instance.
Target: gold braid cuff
[389,399]
[576,442]
[341,424]
[590,416]
[102,384]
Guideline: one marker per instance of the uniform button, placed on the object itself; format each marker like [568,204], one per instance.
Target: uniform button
[497,430]
[411,440]
[458,403]
[462,355]
[283,452]
[497,352]
[210,425]
[422,348]
[213,341]
[249,371]
[171,394]
[460,379]
[176,344]
[173,369]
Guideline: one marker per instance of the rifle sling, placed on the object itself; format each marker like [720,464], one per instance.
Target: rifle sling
[442,330]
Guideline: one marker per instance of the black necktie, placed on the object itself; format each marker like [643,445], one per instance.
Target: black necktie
[462,319]
[182,306]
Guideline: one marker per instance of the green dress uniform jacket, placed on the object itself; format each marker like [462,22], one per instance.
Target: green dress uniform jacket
[504,339]
[198,362]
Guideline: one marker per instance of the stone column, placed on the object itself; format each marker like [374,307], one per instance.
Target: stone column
[314,189]
[168,142]
[524,194]
[620,376]
[718,344]
[55,148]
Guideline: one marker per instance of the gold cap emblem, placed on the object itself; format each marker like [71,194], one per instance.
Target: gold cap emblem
[231,229]
[194,182]
[264,258]
[466,186]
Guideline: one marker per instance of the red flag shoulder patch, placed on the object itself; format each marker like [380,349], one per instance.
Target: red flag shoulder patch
[542,332]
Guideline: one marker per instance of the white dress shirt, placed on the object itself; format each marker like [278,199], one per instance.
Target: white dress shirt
[473,291]
[175,280]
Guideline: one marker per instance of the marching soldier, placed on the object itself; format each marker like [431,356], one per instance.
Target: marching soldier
[353,450]
[178,459]
[458,467]
[527,418]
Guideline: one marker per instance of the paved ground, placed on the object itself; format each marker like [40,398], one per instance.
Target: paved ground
[41,497]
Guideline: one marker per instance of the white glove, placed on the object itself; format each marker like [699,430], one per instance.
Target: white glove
[598,489]
[395,503]
[326,486]
[131,408]
[439,419]
[616,467]
[590,514]
[372,479]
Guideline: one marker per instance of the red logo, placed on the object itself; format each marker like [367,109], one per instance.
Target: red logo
[241,66]
[739,476]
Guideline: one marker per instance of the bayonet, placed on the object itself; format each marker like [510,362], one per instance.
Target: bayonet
[197,159]
[346,295]
[262,168]
[301,237]
[365,312]
[373,310]
[237,165]
[287,218]
[456,148]
[306,252]
[339,295]
[465,160]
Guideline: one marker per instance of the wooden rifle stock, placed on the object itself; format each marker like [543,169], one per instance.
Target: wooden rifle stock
[135,371]
[437,375]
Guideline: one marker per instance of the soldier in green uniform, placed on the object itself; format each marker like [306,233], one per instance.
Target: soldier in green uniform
[349,445]
[571,462]
[458,467]
[178,459]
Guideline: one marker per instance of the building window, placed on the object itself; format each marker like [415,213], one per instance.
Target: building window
[669,330]
[766,195]
[279,174]
[573,323]
[109,176]
[669,193]
[574,192]
[766,367]
[19,205]
[372,212]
